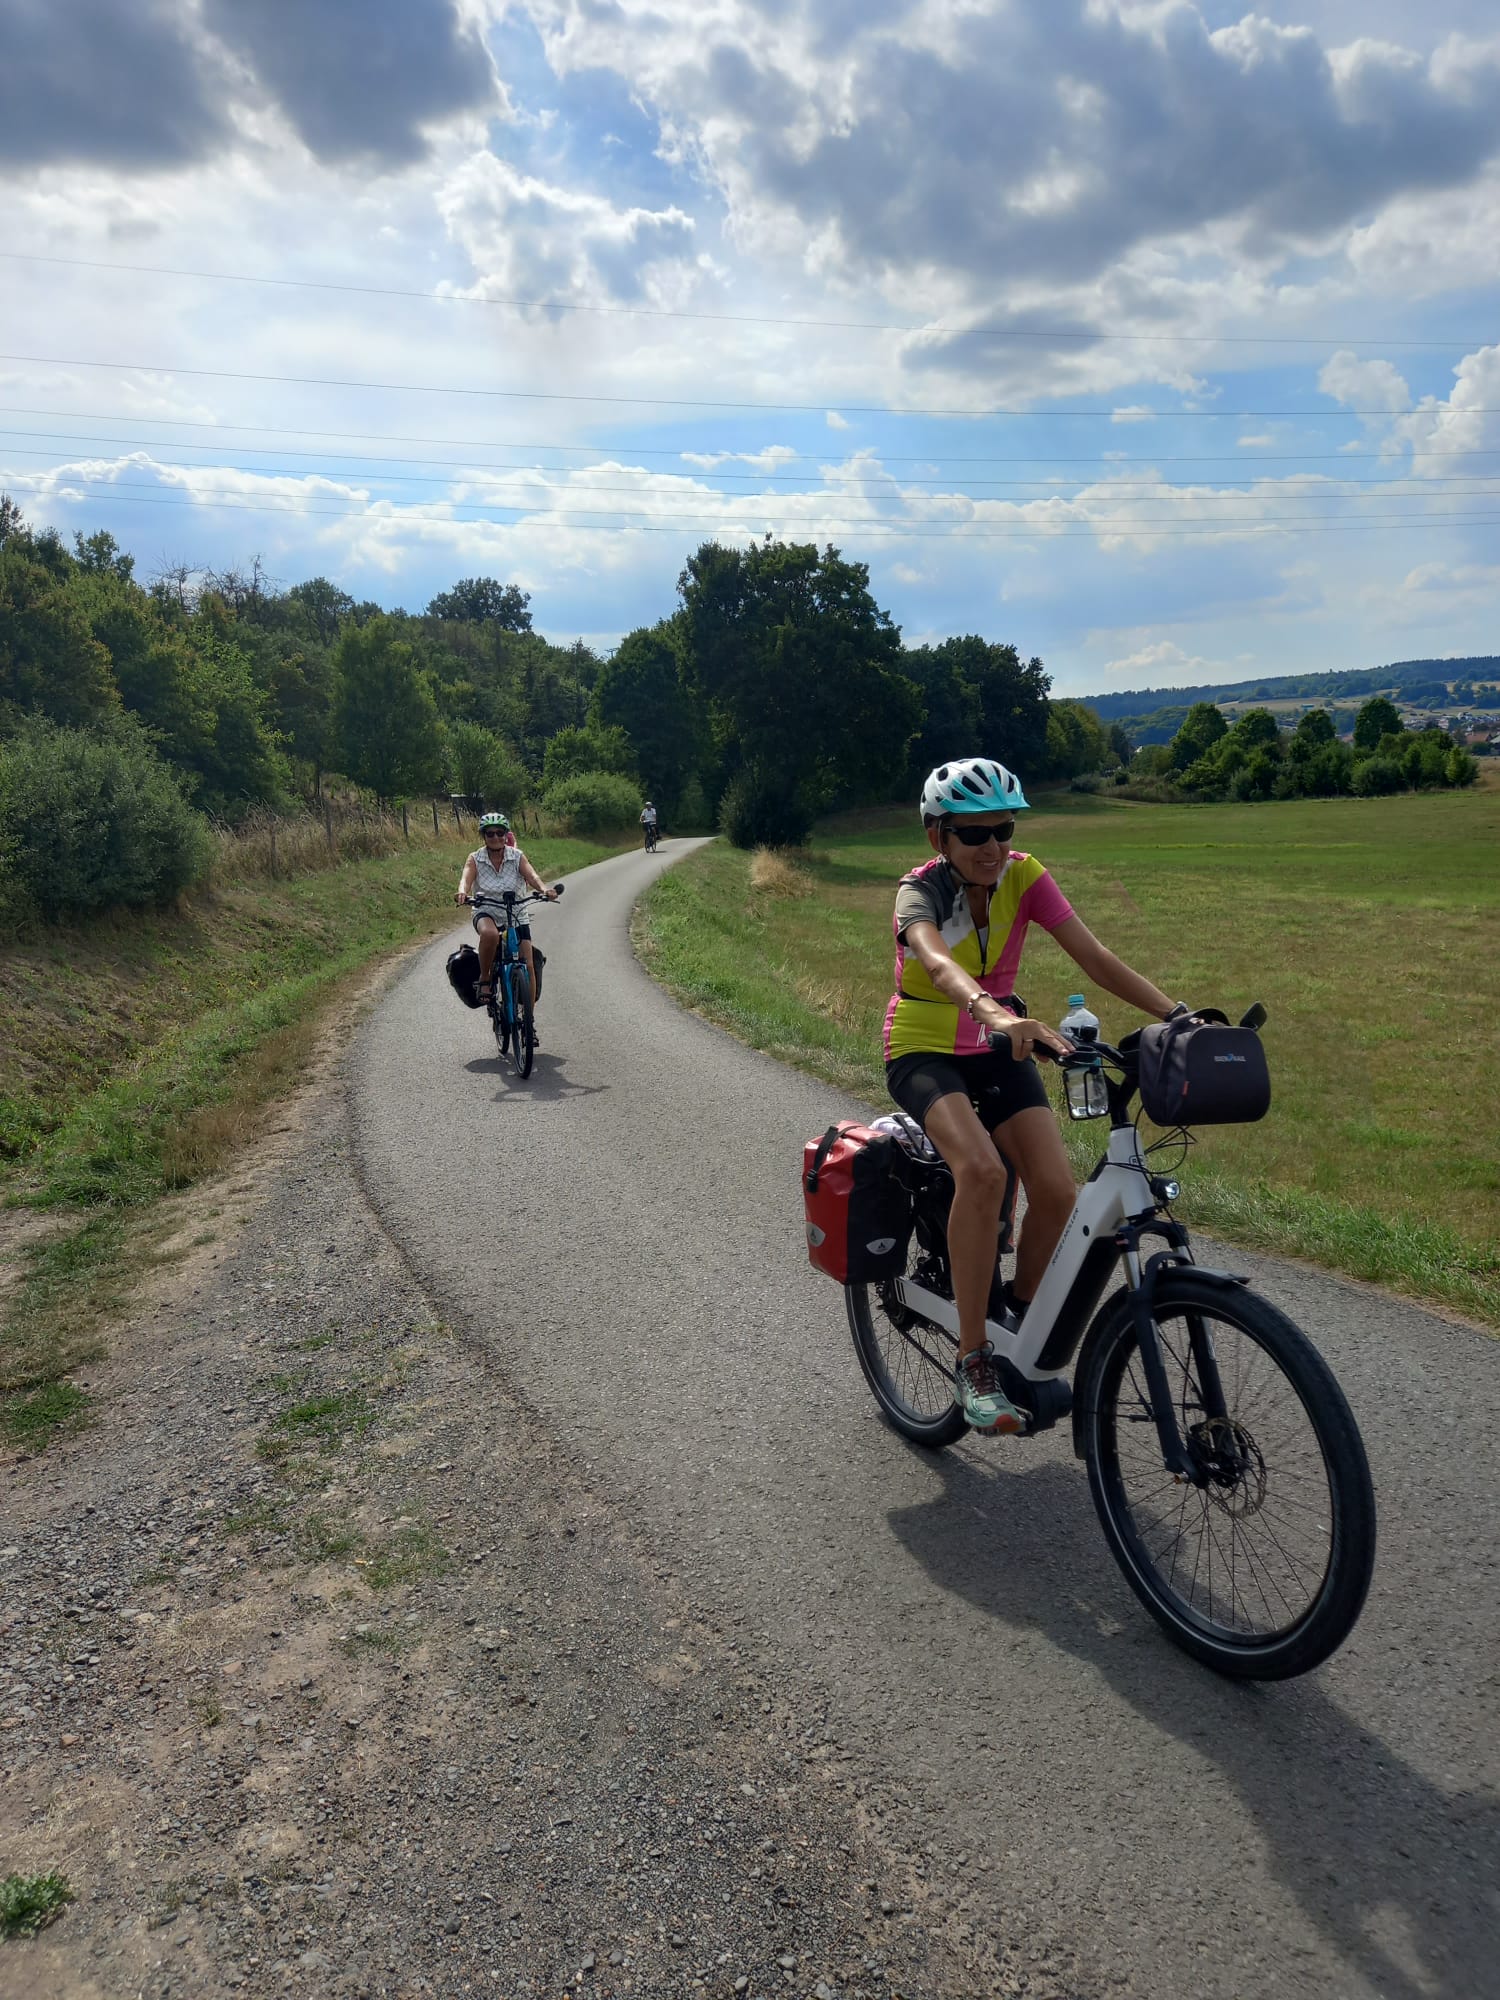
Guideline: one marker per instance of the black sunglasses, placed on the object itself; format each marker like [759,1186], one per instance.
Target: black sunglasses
[976,836]
[494,833]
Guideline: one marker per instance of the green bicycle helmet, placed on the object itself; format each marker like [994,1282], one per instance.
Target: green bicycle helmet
[971,785]
[493,823]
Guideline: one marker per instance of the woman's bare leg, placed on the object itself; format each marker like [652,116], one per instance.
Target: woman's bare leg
[953,1126]
[1033,1144]
[489,944]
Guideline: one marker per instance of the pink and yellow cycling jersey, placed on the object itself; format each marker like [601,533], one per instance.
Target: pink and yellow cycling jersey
[919,1020]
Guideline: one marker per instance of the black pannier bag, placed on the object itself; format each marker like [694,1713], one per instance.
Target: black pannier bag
[463,974]
[1203,1072]
[858,1214]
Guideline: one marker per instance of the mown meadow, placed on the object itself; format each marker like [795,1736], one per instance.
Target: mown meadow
[1369,928]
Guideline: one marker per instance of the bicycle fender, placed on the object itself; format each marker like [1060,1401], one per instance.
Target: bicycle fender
[1157,1267]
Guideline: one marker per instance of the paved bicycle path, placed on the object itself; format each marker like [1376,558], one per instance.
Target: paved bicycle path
[625,1231]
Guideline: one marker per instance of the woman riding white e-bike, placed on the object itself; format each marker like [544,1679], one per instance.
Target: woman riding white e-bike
[960,924]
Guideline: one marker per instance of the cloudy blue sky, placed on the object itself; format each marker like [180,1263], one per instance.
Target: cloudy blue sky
[1161,339]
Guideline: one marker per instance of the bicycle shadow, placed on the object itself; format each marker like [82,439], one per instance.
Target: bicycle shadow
[1399,1874]
[546,1083]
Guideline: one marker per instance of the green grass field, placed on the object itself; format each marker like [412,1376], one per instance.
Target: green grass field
[1370,929]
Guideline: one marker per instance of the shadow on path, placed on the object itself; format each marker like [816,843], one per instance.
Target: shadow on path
[1401,1876]
[546,1080]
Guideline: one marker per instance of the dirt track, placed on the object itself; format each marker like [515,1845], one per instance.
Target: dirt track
[326,1669]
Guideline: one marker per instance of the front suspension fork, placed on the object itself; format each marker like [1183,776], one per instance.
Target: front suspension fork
[1175,1455]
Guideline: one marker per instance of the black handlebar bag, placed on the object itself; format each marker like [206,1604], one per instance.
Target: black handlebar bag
[1203,1073]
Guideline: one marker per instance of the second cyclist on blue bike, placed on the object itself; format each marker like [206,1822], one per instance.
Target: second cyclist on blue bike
[490,873]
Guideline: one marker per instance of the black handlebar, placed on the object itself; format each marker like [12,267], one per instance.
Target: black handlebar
[512,901]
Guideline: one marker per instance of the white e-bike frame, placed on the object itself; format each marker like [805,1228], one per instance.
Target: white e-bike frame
[1118,1191]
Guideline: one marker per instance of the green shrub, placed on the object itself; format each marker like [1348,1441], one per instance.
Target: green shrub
[1378,776]
[1461,769]
[594,802]
[92,822]
[763,809]
[575,753]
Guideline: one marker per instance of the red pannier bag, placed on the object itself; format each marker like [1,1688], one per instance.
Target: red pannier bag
[858,1213]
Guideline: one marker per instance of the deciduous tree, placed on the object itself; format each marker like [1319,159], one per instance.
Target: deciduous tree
[386,720]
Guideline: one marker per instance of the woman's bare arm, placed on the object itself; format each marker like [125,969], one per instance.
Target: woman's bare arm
[1101,965]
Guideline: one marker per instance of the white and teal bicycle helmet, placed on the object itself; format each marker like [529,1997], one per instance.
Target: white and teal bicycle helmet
[971,785]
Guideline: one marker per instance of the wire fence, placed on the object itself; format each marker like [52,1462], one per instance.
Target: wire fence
[274,847]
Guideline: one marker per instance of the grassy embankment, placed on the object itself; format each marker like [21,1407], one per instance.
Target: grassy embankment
[137,1054]
[1370,928]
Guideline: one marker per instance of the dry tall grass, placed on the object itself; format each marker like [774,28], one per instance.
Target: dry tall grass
[275,847]
[774,873]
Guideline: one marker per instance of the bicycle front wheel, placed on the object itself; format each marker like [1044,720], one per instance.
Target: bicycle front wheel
[908,1365]
[522,1045]
[1262,1570]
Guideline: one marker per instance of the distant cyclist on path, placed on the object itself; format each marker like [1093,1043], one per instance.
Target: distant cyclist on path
[960,924]
[490,873]
[649,823]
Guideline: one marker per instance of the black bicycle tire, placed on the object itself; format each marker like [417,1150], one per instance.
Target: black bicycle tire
[1335,1610]
[934,1433]
[522,1039]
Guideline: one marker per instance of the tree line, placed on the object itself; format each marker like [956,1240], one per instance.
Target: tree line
[1253,758]
[776,689]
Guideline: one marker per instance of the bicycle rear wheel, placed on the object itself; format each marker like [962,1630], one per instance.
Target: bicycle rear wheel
[1262,1571]
[522,1046]
[908,1364]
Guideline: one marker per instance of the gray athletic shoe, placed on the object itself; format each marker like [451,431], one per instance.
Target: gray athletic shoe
[978,1393]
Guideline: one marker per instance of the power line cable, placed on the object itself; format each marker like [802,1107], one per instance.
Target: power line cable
[1008,332]
[644,521]
[698,403]
[808,458]
[759,504]
[1460,482]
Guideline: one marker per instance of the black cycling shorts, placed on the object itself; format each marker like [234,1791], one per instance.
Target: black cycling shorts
[995,1084]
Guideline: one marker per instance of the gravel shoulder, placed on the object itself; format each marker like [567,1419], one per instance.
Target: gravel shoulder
[328,1667]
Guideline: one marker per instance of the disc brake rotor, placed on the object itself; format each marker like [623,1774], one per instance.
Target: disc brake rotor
[1233,1462]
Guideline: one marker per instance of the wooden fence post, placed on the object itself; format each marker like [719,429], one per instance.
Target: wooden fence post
[405,828]
[273,850]
[435,828]
[328,823]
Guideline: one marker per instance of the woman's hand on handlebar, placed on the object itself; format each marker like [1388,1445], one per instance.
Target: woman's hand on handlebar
[460,898]
[1028,1038]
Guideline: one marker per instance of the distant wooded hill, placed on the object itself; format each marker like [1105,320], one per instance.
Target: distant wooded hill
[1353,685]
[1153,715]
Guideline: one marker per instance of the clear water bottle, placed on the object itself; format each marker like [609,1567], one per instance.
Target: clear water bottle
[1083,1088]
[1079,1023]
